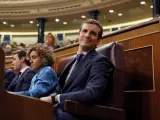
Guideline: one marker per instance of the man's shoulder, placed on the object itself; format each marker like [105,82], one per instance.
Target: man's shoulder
[30,70]
[100,56]
[103,58]
[7,71]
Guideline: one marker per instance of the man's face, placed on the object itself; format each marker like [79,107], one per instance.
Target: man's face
[35,60]
[88,37]
[17,62]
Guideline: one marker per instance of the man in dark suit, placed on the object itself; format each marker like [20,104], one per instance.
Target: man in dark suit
[83,80]
[22,80]
[9,75]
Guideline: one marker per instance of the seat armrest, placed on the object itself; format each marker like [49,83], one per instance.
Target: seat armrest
[20,107]
[96,111]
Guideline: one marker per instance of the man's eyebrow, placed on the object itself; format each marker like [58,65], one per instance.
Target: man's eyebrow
[34,56]
[84,29]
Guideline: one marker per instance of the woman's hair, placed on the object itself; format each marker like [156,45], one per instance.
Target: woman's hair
[45,53]
[55,43]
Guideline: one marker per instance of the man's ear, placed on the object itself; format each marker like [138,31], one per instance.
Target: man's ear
[99,41]
[23,59]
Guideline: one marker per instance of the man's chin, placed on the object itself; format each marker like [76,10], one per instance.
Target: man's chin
[86,47]
[33,67]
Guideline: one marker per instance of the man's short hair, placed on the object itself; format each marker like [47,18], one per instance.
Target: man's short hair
[95,22]
[21,54]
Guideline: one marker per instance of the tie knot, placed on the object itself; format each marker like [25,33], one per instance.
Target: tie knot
[19,73]
[78,57]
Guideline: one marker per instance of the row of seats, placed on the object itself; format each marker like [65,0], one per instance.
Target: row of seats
[113,100]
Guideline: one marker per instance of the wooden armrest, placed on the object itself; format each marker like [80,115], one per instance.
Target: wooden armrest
[96,111]
[19,107]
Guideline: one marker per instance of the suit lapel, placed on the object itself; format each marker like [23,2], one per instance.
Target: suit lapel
[13,82]
[67,67]
[18,78]
[65,73]
[80,66]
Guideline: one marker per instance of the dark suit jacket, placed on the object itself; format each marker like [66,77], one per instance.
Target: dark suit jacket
[9,75]
[87,82]
[22,83]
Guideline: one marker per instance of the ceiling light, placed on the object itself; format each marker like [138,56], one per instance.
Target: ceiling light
[151,6]
[64,23]
[31,22]
[111,11]
[57,20]
[4,22]
[120,14]
[83,16]
[12,25]
[142,2]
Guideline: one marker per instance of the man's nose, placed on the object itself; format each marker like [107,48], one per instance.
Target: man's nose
[87,34]
[30,61]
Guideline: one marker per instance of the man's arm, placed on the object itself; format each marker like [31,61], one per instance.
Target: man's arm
[42,84]
[27,80]
[9,76]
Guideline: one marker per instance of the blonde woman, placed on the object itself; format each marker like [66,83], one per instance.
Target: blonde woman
[51,41]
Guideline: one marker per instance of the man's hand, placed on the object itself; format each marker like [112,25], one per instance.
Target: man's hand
[54,98]
[47,99]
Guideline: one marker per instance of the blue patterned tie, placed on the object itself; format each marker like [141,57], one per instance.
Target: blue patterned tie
[19,74]
[79,57]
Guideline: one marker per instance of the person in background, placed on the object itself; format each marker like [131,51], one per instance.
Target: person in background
[14,44]
[8,50]
[22,45]
[84,79]
[51,41]
[41,59]
[22,80]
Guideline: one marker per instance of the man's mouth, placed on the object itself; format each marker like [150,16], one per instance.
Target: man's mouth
[87,41]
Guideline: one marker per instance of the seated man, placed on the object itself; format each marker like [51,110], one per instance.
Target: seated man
[84,79]
[24,75]
[8,50]
[9,75]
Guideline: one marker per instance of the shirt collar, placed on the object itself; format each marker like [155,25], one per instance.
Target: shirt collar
[84,53]
[23,69]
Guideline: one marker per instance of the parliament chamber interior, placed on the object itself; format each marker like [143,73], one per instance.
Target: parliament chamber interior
[130,41]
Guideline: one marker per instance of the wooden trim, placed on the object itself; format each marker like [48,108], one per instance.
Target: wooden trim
[66,54]
[137,36]
[153,21]
[66,47]
[152,69]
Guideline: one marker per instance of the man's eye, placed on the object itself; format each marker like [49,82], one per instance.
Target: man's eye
[33,57]
[84,30]
[94,33]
